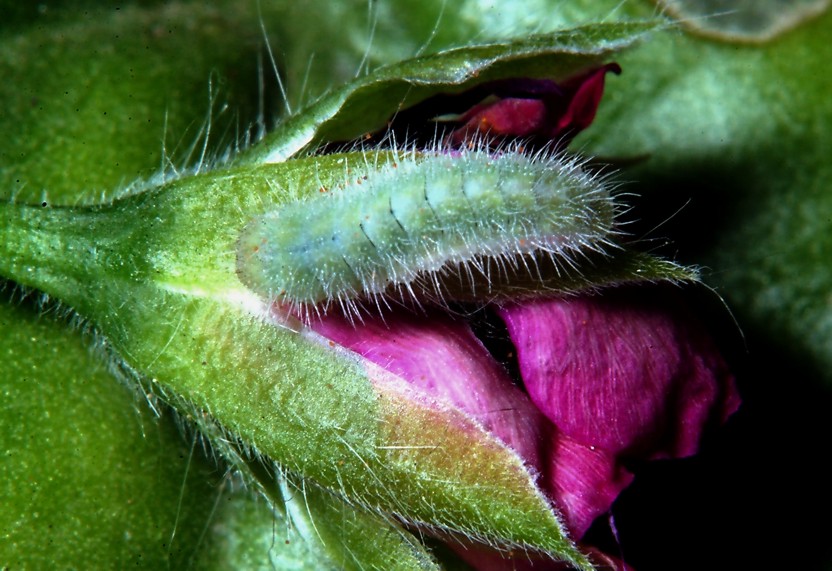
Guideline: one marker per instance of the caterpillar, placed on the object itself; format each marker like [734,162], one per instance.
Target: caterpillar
[400,227]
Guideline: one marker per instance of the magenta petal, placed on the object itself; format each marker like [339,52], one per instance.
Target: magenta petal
[583,481]
[442,357]
[586,92]
[631,371]
[513,117]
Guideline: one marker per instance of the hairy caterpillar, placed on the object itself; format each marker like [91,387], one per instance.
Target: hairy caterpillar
[399,227]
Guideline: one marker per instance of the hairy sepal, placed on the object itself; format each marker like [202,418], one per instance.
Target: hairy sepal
[367,103]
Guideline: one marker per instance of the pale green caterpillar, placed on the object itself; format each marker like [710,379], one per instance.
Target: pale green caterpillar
[392,229]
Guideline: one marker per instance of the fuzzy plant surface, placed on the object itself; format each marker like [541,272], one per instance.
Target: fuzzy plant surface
[157,412]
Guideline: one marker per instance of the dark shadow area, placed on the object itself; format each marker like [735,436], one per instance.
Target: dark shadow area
[757,496]
[679,213]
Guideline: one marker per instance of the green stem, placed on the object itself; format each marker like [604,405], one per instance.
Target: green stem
[64,251]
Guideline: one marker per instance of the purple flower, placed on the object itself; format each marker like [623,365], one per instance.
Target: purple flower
[607,379]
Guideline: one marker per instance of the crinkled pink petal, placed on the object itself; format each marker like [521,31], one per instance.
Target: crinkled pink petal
[444,358]
[631,371]
[583,481]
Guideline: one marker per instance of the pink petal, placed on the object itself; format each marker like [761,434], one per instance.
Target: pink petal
[631,372]
[442,357]
[586,92]
[584,482]
[513,117]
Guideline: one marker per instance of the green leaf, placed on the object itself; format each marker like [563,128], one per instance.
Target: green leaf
[595,271]
[90,478]
[355,538]
[89,470]
[102,98]
[351,38]
[319,529]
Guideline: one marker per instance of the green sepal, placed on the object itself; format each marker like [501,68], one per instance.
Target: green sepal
[365,104]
